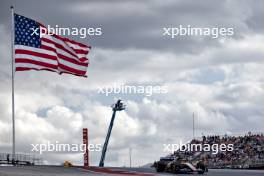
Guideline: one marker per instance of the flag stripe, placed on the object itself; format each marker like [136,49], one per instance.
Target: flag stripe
[61,62]
[65,51]
[77,47]
[47,56]
[69,64]
[52,47]
[80,51]
[69,46]
[41,59]
[35,50]
[72,70]
[27,68]
[31,66]
[71,41]
[60,46]
[65,56]
[44,64]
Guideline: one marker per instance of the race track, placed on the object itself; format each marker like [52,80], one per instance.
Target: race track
[74,171]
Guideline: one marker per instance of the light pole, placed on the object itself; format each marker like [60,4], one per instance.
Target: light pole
[130,157]
[193,127]
[119,106]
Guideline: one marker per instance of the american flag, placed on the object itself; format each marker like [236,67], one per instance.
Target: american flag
[47,51]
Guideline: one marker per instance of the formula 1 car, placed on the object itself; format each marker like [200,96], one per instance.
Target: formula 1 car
[178,166]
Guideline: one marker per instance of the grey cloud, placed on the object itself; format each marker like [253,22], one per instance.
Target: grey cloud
[136,24]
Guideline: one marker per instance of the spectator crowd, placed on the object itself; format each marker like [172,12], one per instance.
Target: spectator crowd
[248,150]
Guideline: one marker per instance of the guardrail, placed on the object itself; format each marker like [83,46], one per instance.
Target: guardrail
[19,159]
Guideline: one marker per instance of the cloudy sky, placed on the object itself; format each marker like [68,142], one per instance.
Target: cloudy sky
[220,80]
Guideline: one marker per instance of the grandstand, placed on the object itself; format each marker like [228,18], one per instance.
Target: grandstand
[248,152]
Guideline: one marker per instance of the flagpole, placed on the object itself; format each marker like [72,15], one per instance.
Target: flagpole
[13,96]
